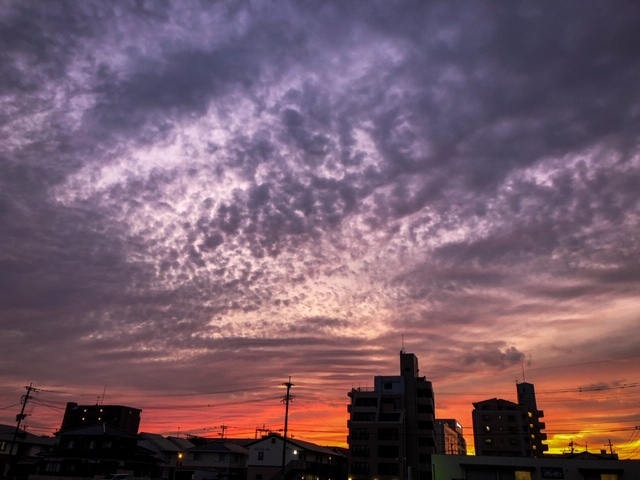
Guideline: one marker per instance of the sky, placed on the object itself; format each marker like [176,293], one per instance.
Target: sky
[201,200]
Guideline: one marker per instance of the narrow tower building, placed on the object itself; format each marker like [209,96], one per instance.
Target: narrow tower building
[392,426]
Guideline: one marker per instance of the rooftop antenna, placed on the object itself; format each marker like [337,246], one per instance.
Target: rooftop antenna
[403,349]
[524,380]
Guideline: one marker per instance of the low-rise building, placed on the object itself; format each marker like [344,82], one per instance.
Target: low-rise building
[216,460]
[170,453]
[469,467]
[302,460]
[20,450]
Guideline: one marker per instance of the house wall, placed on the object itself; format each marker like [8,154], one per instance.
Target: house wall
[463,467]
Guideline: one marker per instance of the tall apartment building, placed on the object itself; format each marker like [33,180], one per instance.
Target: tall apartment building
[392,427]
[125,418]
[504,428]
[527,399]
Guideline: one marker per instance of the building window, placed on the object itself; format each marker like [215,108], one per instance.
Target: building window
[260,455]
[52,467]
[388,434]
[360,450]
[3,446]
[360,467]
[486,418]
[197,456]
[360,433]
[389,417]
[388,468]
[522,475]
[488,441]
[424,392]
[387,451]
[364,416]
[366,402]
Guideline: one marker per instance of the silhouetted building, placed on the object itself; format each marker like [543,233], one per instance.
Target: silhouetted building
[20,450]
[392,427]
[448,467]
[504,428]
[99,450]
[170,452]
[125,418]
[449,437]
[217,459]
[527,399]
[302,460]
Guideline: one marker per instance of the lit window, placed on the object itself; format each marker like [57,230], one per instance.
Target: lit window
[487,428]
[520,475]
[488,441]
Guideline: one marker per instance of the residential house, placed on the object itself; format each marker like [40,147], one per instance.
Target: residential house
[302,460]
[19,451]
[170,452]
[215,460]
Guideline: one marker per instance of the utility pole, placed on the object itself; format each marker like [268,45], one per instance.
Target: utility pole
[610,445]
[19,417]
[261,430]
[287,398]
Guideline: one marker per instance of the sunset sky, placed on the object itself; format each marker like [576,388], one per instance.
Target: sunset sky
[201,199]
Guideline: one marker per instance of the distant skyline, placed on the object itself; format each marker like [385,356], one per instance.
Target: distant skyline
[201,199]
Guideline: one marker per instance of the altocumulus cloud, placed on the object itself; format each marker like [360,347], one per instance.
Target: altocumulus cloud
[186,184]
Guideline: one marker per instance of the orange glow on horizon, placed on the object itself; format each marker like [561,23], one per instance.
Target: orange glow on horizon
[590,416]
